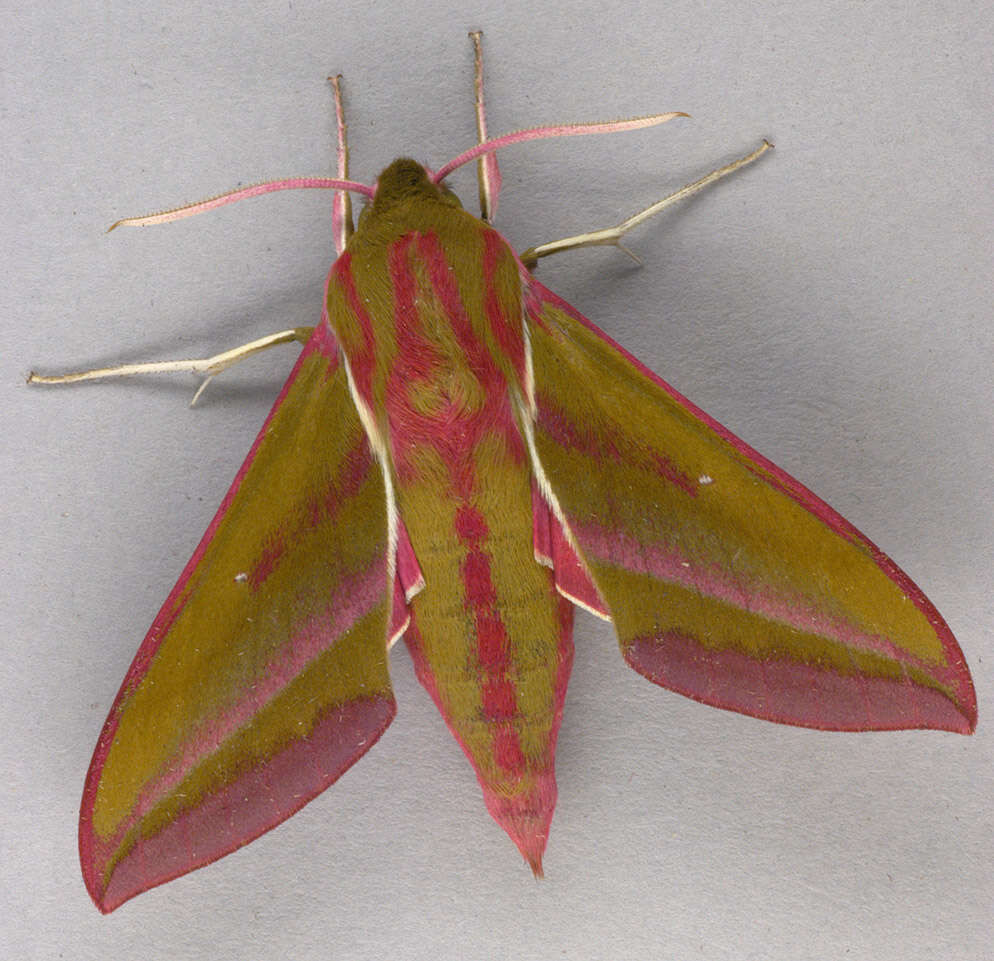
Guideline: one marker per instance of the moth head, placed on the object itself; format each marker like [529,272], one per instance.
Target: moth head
[405,180]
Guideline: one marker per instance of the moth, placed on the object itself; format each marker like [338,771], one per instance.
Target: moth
[459,458]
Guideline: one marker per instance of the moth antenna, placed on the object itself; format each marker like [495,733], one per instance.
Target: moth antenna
[560,130]
[242,193]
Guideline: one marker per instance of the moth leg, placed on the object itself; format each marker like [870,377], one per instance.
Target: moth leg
[612,235]
[207,366]
[341,206]
[487,171]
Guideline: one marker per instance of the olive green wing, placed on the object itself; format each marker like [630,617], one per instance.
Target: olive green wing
[264,676]
[726,579]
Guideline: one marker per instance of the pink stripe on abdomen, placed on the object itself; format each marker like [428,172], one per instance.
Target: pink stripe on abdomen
[498,696]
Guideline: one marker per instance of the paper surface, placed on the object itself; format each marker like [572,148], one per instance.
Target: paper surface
[830,304]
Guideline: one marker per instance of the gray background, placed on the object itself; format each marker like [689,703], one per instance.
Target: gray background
[832,305]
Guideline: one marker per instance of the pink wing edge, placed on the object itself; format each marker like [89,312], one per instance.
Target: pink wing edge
[286,782]
[553,548]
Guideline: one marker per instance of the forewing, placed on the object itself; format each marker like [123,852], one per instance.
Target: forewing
[726,579]
[264,675]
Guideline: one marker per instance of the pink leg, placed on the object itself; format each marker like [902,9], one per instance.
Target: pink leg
[488,172]
[341,208]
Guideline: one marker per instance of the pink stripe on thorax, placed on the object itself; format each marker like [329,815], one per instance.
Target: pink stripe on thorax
[496,415]
[446,288]
[450,428]
[507,330]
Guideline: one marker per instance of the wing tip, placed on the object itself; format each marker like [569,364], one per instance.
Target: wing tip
[98,894]
[969,714]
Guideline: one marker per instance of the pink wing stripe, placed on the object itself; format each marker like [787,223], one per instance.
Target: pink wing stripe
[359,595]
[671,566]
[554,550]
[247,807]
